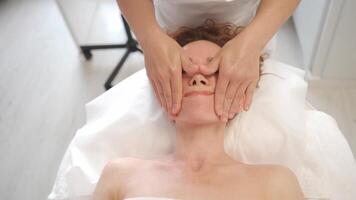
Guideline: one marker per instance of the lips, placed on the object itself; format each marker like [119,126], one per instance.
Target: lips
[194,93]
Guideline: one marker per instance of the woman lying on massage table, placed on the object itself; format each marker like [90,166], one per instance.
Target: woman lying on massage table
[198,168]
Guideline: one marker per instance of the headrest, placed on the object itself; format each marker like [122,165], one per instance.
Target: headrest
[128,121]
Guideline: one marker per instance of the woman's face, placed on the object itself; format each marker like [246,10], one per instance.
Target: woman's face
[198,84]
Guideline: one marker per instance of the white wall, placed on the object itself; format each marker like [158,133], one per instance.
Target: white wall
[327,33]
[308,20]
[340,61]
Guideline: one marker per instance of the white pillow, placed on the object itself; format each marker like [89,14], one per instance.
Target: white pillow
[127,121]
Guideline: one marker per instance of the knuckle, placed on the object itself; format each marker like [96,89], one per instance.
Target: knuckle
[235,106]
[160,76]
[229,99]
[226,107]
[166,96]
[219,105]
[160,93]
[239,95]
[166,101]
[164,84]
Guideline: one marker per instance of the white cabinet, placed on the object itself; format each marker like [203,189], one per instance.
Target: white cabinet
[327,34]
[93,21]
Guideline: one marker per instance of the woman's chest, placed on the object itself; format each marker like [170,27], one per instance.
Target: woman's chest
[173,185]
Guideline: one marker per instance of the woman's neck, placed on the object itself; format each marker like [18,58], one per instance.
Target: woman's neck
[200,147]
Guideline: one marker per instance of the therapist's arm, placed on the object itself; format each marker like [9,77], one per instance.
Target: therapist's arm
[141,18]
[270,16]
[163,60]
[239,58]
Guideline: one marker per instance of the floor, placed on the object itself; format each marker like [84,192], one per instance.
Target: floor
[45,83]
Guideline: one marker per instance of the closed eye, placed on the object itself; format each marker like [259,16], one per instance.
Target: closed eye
[209,59]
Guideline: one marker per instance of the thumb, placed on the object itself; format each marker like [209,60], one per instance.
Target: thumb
[212,66]
[187,65]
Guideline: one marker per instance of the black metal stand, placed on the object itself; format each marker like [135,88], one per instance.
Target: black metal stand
[130,45]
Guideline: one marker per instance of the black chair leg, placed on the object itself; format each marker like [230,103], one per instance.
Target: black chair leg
[108,83]
[131,45]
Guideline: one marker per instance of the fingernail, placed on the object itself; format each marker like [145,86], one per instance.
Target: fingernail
[175,108]
[246,108]
[242,108]
[225,119]
[231,115]
[221,118]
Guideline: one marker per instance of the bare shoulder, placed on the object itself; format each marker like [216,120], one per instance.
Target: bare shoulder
[124,164]
[113,176]
[123,168]
[282,183]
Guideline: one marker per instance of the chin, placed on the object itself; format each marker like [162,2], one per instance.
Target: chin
[198,109]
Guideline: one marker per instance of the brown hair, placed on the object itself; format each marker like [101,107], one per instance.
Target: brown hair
[218,33]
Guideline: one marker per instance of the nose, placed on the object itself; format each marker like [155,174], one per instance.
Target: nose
[198,80]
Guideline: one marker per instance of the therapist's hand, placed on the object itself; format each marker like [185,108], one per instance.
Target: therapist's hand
[238,63]
[163,64]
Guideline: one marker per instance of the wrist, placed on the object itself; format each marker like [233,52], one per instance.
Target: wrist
[150,37]
[247,43]
[256,35]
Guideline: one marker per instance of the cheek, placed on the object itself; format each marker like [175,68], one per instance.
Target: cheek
[198,109]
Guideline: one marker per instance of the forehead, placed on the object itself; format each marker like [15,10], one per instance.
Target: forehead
[200,49]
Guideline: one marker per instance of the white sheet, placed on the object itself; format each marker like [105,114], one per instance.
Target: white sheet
[127,121]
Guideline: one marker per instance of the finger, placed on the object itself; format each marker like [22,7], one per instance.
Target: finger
[187,65]
[240,93]
[166,86]
[229,97]
[249,95]
[161,95]
[220,90]
[241,105]
[176,83]
[235,106]
[155,89]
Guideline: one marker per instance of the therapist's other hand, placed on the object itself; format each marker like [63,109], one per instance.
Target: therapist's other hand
[163,64]
[238,63]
